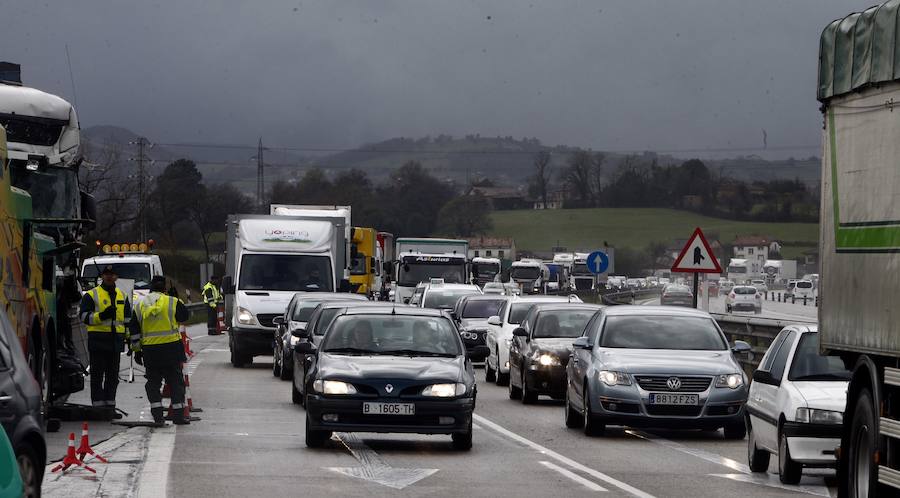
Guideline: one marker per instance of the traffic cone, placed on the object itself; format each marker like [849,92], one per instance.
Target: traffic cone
[188,352]
[220,319]
[189,403]
[85,447]
[70,458]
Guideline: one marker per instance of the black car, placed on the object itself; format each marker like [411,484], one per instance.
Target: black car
[471,313]
[20,409]
[294,318]
[386,370]
[540,349]
[319,320]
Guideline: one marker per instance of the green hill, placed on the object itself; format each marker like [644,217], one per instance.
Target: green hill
[585,229]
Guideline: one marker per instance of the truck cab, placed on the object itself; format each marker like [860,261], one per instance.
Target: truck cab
[365,262]
[530,275]
[485,270]
[130,261]
[582,278]
[421,259]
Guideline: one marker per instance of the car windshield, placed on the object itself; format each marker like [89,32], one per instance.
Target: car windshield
[445,298]
[744,290]
[304,310]
[804,285]
[452,272]
[561,323]
[139,272]
[393,335]
[809,365]
[662,332]
[284,272]
[485,270]
[678,290]
[525,272]
[481,308]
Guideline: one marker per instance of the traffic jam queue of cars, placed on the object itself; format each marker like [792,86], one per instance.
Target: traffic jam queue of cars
[408,365]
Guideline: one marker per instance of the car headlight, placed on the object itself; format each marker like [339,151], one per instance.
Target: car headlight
[612,378]
[245,316]
[444,390]
[731,381]
[816,416]
[545,359]
[335,387]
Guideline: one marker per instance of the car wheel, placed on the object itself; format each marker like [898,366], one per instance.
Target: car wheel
[737,430]
[514,392]
[314,438]
[573,417]
[789,471]
[489,375]
[31,471]
[592,426]
[529,397]
[502,378]
[463,442]
[757,459]
[861,464]
[286,373]
[296,396]
[276,363]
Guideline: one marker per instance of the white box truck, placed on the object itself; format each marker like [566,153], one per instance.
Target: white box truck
[420,260]
[268,260]
[859,316]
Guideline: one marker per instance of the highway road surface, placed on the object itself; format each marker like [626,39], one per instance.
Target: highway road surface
[250,443]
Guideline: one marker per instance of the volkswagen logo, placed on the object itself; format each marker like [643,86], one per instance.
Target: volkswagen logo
[674,383]
[390,388]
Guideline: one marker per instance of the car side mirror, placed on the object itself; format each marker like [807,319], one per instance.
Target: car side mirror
[479,352]
[520,332]
[278,320]
[494,320]
[582,343]
[304,348]
[300,334]
[764,377]
[741,347]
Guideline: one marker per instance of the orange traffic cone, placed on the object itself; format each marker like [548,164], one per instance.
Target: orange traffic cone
[85,447]
[70,458]
[188,352]
[189,402]
[220,319]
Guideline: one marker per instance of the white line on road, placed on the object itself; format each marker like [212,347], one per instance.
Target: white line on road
[562,459]
[573,476]
[153,478]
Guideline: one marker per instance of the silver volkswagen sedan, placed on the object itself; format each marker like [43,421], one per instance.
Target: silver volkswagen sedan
[655,366]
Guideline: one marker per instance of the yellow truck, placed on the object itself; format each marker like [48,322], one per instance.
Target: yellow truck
[365,267]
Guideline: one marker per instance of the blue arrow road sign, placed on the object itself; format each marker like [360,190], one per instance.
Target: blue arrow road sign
[598,262]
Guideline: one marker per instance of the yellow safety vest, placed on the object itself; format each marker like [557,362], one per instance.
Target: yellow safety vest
[101,302]
[156,313]
[216,295]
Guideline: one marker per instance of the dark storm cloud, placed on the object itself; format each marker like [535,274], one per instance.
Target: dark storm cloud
[622,75]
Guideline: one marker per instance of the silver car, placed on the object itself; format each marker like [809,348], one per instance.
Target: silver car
[655,366]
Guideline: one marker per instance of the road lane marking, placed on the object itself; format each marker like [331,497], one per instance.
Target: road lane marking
[746,475]
[374,468]
[573,476]
[153,478]
[562,459]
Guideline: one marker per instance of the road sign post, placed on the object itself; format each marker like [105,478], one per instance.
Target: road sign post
[696,257]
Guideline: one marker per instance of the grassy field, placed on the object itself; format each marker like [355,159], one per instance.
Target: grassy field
[624,227]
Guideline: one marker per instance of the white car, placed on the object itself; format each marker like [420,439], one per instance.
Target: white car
[796,405]
[800,289]
[500,332]
[743,298]
[439,295]
[760,285]
[494,288]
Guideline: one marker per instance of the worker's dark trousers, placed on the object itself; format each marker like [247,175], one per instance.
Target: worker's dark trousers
[104,377]
[171,371]
[211,319]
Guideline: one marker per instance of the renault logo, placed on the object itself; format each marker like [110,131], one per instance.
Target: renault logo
[390,388]
[674,383]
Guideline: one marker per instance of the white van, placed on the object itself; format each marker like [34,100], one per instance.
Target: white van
[800,289]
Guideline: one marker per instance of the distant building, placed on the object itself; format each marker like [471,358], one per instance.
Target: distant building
[502,198]
[755,249]
[492,247]
[555,200]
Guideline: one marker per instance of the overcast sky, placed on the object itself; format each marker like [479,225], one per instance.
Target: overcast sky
[622,75]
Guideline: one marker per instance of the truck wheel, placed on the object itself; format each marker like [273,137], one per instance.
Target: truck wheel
[238,359]
[863,479]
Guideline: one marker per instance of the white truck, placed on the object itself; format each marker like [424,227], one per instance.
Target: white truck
[268,260]
[779,270]
[130,261]
[582,278]
[530,275]
[485,270]
[859,319]
[420,260]
[738,271]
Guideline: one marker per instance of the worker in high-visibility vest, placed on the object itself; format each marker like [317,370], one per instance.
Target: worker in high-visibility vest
[212,296]
[106,311]
[156,342]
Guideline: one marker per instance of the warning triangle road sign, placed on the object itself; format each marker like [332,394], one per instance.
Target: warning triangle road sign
[697,257]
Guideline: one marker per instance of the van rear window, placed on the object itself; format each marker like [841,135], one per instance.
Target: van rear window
[804,285]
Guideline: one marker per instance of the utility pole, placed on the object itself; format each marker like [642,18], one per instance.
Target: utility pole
[260,177]
[142,185]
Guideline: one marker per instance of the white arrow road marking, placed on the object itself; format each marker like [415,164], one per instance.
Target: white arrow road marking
[374,468]
[562,459]
[573,476]
[746,475]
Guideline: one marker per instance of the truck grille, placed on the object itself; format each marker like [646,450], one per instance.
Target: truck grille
[265,319]
[660,383]
[584,284]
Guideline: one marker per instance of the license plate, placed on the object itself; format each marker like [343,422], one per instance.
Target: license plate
[674,399]
[389,409]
